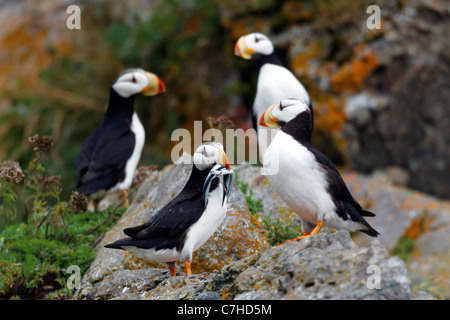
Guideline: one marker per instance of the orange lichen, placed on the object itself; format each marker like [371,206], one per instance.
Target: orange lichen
[226,295]
[414,229]
[329,114]
[296,10]
[351,76]
[239,28]
[427,223]
[300,64]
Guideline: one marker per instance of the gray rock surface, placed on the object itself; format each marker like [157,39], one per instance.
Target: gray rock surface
[404,117]
[236,263]
[320,267]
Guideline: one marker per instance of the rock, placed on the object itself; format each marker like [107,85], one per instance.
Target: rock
[239,236]
[412,129]
[320,267]
[323,267]
[429,265]
[408,215]
[236,262]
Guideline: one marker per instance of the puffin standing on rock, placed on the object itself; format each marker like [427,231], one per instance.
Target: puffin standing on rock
[305,178]
[186,222]
[109,156]
[275,82]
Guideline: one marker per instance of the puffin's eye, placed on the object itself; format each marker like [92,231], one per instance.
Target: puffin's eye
[134,79]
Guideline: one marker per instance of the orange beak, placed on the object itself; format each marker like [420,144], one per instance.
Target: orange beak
[223,160]
[237,52]
[162,87]
[227,163]
[241,50]
[268,120]
[261,120]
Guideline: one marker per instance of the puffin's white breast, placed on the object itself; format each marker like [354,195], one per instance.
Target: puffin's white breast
[160,256]
[208,223]
[138,129]
[275,83]
[298,179]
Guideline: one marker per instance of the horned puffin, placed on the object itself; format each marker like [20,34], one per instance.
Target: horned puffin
[304,177]
[186,222]
[275,82]
[109,156]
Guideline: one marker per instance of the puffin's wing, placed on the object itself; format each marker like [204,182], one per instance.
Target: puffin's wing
[339,191]
[346,206]
[103,156]
[176,216]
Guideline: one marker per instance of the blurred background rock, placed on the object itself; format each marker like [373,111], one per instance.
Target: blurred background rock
[380,96]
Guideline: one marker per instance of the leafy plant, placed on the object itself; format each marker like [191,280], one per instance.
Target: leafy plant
[10,174]
[33,266]
[278,230]
[54,235]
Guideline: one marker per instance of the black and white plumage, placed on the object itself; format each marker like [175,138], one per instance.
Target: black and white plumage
[305,178]
[275,82]
[186,222]
[109,156]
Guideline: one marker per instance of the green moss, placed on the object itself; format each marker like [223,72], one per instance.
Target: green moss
[403,248]
[27,257]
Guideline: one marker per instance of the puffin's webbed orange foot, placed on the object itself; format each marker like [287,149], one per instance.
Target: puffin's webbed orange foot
[126,202]
[187,265]
[306,234]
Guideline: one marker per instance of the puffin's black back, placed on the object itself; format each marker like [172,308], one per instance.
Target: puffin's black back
[102,159]
[167,228]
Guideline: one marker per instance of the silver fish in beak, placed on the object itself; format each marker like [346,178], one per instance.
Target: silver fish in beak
[228,180]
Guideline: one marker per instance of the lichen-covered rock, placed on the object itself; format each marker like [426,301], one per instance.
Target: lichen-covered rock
[239,236]
[319,267]
[409,216]
[236,263]
[407,98]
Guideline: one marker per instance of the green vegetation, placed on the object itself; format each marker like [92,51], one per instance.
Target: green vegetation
[278,230]
[53,235]
[254,206]
[403,248]
[32,261]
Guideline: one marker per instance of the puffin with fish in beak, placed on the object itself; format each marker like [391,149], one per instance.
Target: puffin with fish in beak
[191,218]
